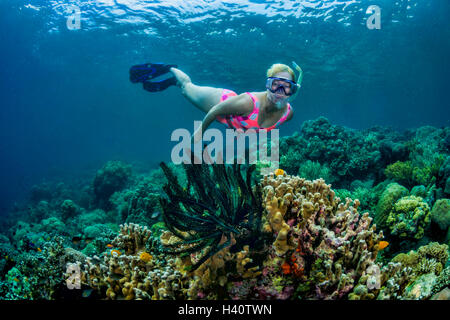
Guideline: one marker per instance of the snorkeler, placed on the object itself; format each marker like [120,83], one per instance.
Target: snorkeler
[250,110]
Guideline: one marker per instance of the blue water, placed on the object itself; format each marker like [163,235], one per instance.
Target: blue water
[68,106]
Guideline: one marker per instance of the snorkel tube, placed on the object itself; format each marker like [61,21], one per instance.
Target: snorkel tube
[299,80]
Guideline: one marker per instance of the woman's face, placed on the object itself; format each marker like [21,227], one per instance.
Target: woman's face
[284,75]
[279,98]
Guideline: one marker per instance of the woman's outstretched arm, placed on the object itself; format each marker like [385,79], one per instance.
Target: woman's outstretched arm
[238,105]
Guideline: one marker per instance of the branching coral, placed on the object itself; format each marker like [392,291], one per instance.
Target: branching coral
[409,175]
[326,245]
[401,172]
[311,170]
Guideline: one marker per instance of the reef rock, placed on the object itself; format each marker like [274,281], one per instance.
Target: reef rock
[440,214]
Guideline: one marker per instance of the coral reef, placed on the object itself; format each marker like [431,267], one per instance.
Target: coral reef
[350,154]
[37,273]
[231,232]
[430,258]
[113,176]
[137,205]
[401,172]
[426,276]
[444,176]
[312,170]
[122,271]
[409,218]
[390,195]
[324,244]
[440,214]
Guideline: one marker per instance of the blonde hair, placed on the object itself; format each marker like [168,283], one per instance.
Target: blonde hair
[280,67]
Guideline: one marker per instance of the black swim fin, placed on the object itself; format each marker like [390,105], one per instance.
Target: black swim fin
[147,71]
[155,86]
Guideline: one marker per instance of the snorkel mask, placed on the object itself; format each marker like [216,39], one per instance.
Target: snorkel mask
[284,89]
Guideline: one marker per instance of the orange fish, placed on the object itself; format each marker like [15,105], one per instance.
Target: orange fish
[279,172]
[109,245]
[39,249]
[115,253]
[16,280]
[382,245]
[146,257]
[286,268]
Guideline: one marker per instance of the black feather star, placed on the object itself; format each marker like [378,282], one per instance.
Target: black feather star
[217,203]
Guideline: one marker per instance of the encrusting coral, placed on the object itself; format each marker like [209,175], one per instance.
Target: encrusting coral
[390,195]
[440,214]
[409,218]
[112,177]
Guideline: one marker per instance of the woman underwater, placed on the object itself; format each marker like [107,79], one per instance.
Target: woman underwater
[250,110]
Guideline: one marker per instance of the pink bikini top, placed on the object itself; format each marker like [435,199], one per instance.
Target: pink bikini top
[251,121]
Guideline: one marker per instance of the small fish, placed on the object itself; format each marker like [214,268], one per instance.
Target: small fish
[382,245]
[16,280]
[279,172]
[115,253]
[155,214]
[116,276]
[286,268]
[76,239]
[146,257]
[109,245]
[88,239]
[86,293]
[31,244]
[39,249]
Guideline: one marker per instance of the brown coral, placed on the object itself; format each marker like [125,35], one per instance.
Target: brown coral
[326,244]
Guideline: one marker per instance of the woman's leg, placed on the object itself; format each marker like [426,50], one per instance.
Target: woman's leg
[202,97]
